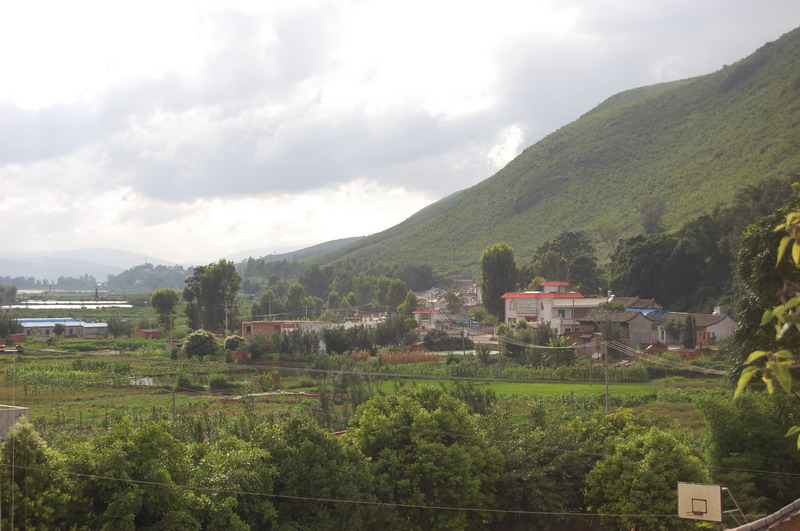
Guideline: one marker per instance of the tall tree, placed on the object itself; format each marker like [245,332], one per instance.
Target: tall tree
[443,460]
[689,339]
[569,244]
[498,276]
[315,281]
[551,265]
[409,305]
[210,294]
[164,302]
[395,294]
[454,302]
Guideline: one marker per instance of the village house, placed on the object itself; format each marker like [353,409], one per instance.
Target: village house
[711,327]
[554,304]
[635,327]
[45,327]
[149,333]
[250,328]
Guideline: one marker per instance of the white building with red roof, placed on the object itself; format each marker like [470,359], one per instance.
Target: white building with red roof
[554,304]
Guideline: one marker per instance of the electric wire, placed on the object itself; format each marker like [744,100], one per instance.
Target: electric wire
[339,500]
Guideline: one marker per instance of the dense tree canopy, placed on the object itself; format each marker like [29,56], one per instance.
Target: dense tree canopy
[439,456]
[210,295]
[498,276]
[164,301]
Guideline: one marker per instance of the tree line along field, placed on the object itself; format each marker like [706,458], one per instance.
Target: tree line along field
[80,399]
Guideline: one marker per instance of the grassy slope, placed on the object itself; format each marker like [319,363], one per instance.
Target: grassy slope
[691,143]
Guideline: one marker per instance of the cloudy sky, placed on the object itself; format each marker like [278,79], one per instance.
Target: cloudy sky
[192,131]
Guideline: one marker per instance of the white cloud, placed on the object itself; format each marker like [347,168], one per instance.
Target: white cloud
[197,129]
[509,141]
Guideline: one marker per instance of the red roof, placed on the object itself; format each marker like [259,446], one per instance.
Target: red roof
[539,295]
[554,283]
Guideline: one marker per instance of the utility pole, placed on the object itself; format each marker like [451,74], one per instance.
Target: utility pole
[605,357]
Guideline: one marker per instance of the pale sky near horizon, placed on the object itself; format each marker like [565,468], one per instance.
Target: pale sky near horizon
[190,131]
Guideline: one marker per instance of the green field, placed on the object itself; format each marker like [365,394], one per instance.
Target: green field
[534,390]
[78,391]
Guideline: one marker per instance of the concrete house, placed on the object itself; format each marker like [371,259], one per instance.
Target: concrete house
[635,327]
[72,327]
[711,327]
[250,328]
[554,304]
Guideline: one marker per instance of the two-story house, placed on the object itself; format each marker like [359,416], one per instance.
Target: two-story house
[554,304]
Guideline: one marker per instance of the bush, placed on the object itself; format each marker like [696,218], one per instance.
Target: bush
[220,382]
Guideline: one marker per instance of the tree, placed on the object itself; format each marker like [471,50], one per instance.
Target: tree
[8,294]
[689,338]
[569,244]
[200,344]
[551,266]
[164,301]
[398,331]
[409,305]
[640,476]
[233,342]
[8,325]
[294,300]
[59,329]
[315,281]
[259,345]
[227,471]
[38,486]
[312,464]
[210,295]
[118,326]
[395,294]
[267,306]
[584,274]
[426,449]
[498,277]
[155,461]
[453,302]
[777,354]
[748,434]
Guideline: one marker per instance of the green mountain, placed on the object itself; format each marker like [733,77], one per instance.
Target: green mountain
[689,144]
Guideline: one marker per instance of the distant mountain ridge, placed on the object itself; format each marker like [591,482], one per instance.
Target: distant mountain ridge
[95,261]
[690,144]
[100,262]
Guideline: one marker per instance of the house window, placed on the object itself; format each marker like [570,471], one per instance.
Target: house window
[562,313]
[528,307]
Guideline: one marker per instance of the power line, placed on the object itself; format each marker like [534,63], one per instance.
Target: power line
[337,500]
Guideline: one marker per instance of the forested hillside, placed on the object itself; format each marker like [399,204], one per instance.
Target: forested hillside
[687,145]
